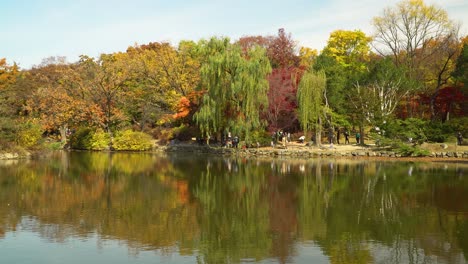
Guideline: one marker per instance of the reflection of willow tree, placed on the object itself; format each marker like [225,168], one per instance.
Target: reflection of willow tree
[234,215]
[349,249]
[100,195]
[313,205]
[403,206]
[407,214]
[414,218]
[229,210]
[324,215]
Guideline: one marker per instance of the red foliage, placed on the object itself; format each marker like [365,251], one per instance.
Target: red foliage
[449,101]
[282,99]
[281,49]
[248,42]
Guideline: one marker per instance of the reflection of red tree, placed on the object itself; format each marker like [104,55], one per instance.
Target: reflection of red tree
[283,217]
[450,198]
[182,191]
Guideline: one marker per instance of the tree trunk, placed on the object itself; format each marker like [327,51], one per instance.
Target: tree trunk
[318,132]
[432,106]
[63,133]
[361,131]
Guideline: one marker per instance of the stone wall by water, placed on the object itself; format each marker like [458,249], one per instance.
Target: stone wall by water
[301,153]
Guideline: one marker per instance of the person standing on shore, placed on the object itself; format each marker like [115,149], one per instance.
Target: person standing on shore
[330,136]
[459,138]
[346,136]
[338,136]
[358,137]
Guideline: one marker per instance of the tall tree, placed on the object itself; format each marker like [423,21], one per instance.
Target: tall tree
[307,57]
[104,82]
[8,77]
[418,35]
[460,73]
[404,29]
[55,101]
[283,81]
[282,100]
[311,95]
[282,50]
[8,73]
[338,80]
[351,49]
[236,88]
[437,72]
[374,98]
[160,76]
[248,42]
[344,60]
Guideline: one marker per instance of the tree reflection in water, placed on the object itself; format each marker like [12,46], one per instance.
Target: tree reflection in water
[232,209]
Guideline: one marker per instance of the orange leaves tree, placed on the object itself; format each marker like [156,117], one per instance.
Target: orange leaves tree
[103,83]
[57,99]
[161,77]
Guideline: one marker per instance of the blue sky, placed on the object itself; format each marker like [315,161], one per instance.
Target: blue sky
[33,30]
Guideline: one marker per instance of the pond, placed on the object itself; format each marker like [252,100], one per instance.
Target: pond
[84,207]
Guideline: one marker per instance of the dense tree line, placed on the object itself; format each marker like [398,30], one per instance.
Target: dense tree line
[413,67]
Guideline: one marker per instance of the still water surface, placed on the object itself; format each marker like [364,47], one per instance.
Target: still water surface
[140,208]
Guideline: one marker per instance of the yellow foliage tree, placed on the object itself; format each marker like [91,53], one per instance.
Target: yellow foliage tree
[351,49]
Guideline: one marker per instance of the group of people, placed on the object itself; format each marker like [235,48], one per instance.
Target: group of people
[331,136]
[283,138]
[230,142]
[280,136]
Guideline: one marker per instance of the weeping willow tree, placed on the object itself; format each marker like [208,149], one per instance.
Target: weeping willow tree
[311,94]
[236,88]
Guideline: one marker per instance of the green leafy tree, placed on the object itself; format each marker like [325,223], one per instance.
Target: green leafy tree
[236,88]
[337,82]
[345,59]
[311,94]
[9,74]
[460,73]
[388,85]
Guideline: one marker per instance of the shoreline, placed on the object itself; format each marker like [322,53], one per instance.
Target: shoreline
[293,151]
[301,151]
